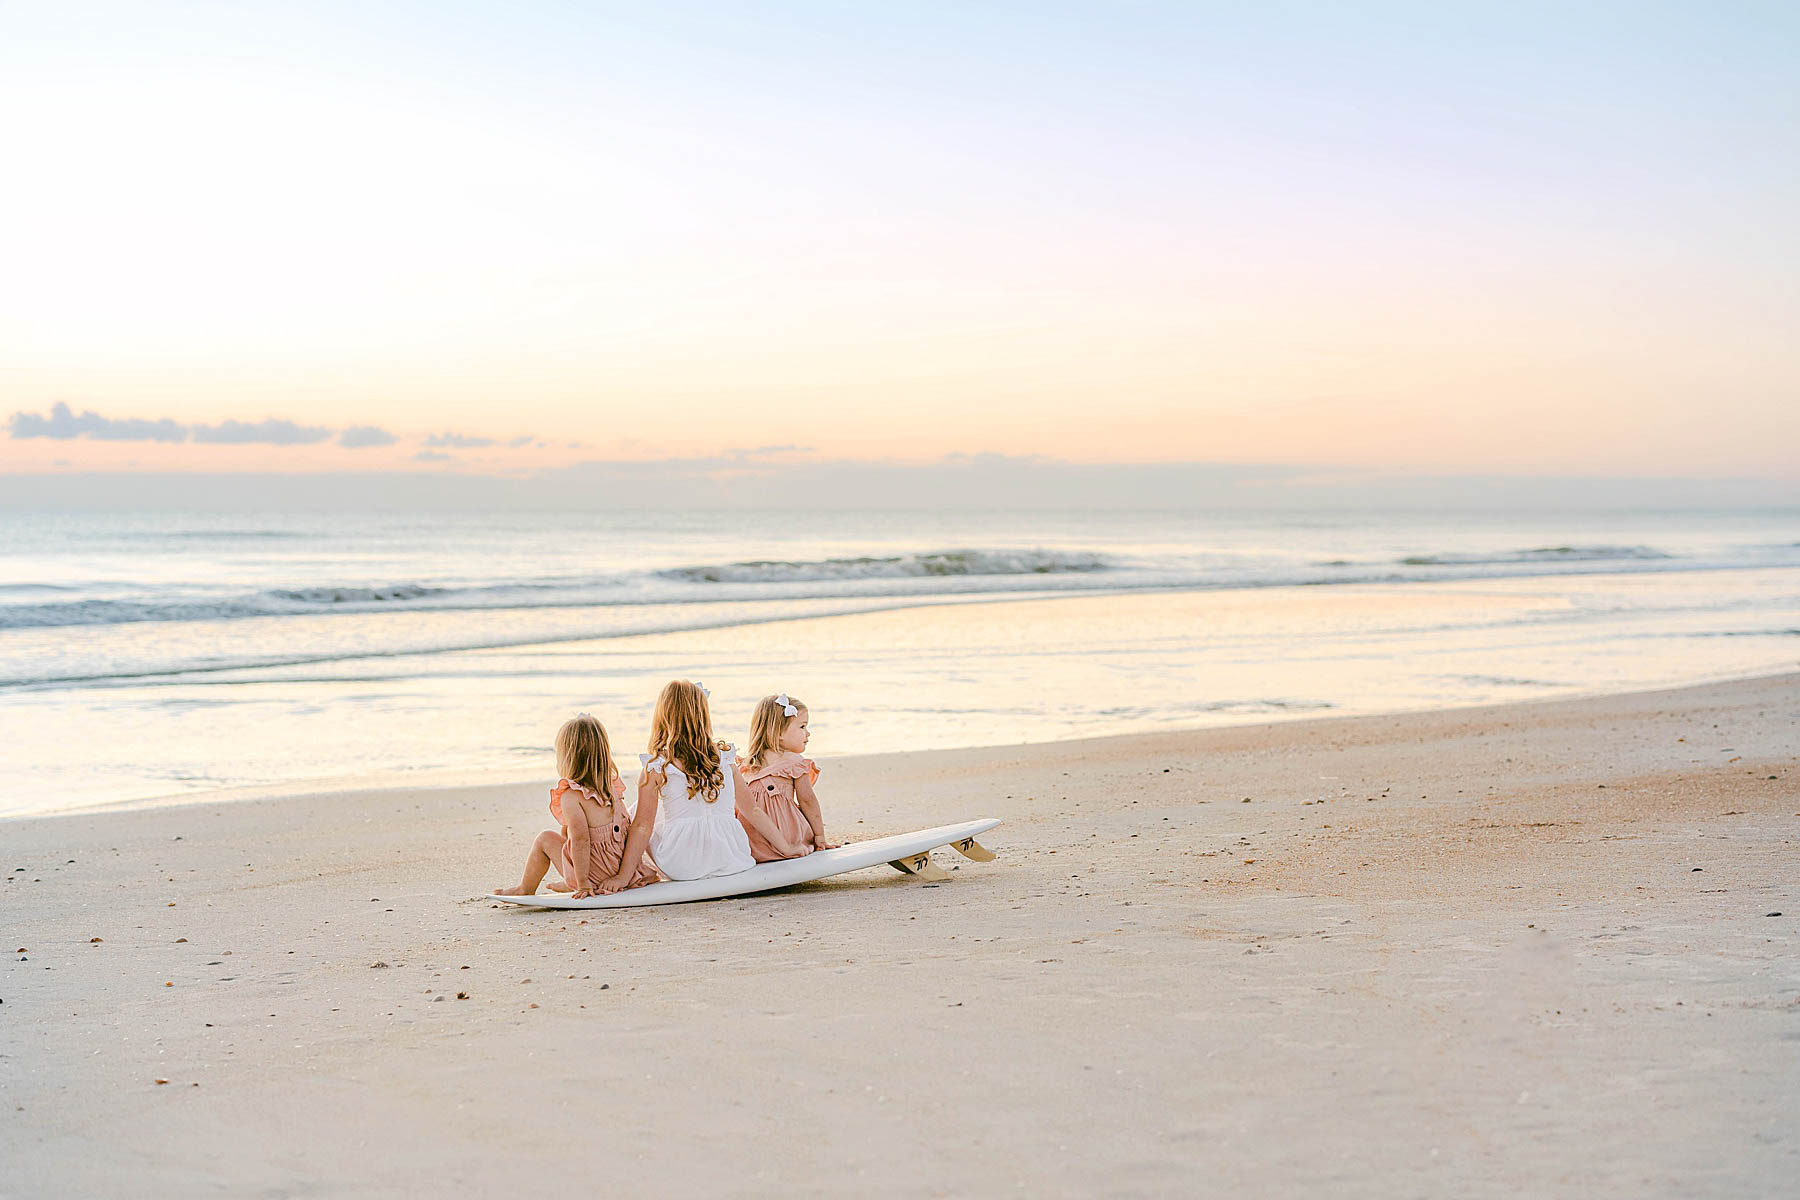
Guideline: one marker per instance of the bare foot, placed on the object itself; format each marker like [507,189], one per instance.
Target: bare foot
[511,891]
[561,887]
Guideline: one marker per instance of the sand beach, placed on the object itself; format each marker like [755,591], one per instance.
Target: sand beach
[1311,474]
[1543,948]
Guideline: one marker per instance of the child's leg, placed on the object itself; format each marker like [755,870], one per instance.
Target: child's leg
[544,851]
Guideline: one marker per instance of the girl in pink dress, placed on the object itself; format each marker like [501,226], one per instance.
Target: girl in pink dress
[589,803]
[779,780]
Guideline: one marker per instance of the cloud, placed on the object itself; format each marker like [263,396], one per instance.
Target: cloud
[62,424]
[275,431]
[358,436]
[970,483]
[985,480]
[785,449]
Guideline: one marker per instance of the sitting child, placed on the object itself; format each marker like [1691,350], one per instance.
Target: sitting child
[589,803]
[780,781]
[688,799]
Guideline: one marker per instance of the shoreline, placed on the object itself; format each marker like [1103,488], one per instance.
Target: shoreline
[402,780]
[1510,949]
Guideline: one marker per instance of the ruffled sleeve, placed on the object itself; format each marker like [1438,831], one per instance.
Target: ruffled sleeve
[788,766]
[563,785]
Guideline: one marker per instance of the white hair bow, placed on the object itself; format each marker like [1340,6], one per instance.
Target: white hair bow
[704,690]
[578,716]
[787,706]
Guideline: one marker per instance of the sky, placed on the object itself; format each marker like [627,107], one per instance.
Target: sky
[1512,240]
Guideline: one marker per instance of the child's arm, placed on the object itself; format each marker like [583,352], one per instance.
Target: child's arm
[575,830]
[758,820]
[637,837]
[809,808]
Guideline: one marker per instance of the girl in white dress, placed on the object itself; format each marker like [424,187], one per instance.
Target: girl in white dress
[688,798]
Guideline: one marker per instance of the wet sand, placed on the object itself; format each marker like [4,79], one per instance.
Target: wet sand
[1528,949]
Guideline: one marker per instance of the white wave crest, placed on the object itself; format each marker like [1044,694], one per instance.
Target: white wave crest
[357,595]
[907,566]
[1539,554]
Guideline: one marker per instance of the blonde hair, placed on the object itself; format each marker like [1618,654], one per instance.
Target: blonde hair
[584,755]
[681,731]
[767,723]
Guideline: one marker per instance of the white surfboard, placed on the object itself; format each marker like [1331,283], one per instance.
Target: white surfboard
[907,851]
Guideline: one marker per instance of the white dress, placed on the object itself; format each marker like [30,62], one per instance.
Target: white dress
[693,839]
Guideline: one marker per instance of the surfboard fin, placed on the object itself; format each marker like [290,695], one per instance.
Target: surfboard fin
[920,866]
[971,849]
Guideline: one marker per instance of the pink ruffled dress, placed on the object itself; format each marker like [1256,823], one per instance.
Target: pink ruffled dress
[773,789]
[606,839]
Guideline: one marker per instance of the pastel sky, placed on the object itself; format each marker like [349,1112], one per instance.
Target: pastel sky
[1503,238]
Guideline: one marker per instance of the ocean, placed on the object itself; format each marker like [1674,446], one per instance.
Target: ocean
[157,655]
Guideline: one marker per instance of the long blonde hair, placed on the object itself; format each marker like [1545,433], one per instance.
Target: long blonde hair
[584,755]
[767,724]
[681,731]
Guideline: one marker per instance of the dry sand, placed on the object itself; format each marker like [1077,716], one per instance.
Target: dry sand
[1516,950]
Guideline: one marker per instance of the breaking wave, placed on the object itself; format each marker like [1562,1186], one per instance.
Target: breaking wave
[923,576]
[911,574]
[358,595]
[1540,554]
[907,566]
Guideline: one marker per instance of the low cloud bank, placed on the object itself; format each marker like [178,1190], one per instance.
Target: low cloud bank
[772,480]
[63,424]
[272,432]
[358,436]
